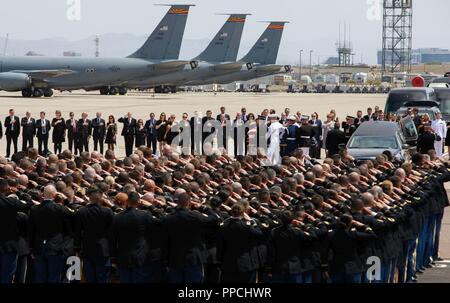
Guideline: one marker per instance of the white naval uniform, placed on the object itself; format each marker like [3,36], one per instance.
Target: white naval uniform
[274,133]
[440,129]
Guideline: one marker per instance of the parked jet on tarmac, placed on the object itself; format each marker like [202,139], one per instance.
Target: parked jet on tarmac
[38,76]
[216,60]
[260,61]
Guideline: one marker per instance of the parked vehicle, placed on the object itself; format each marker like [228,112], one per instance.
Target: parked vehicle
[397,97]
[374,137]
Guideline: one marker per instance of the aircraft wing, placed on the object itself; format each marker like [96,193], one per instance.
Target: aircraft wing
[170,64]
[228,66]
[42,75]
[268,68]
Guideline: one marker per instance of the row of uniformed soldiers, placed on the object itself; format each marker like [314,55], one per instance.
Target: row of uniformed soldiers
[321,228]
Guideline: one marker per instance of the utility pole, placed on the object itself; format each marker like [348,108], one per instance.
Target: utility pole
[310,63]
[300,68]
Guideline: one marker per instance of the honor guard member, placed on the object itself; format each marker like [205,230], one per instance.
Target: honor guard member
[305,136]
[291,133]
[129,241]
[92,227]
[49,222]
[184,232]
[234,248]
[9,232]
[349,127]
[274,136]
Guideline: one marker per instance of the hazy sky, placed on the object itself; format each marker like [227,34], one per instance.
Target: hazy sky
[314,24]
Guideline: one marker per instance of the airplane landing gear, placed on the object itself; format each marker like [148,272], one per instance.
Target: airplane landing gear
[123,91]
[165,89]
[38,93]
[48,92]
[104,91]
[113,91]
[27,93]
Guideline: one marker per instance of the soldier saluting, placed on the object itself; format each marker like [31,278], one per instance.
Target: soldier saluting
[305,136]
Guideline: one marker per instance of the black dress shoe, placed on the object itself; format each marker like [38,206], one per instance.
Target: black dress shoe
[414,280]
[419,271]
[438,259]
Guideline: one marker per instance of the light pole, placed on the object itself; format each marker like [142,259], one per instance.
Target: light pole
[300,68]
[310,63]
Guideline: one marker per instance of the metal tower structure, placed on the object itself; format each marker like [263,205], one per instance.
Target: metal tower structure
[397,35]
[345,48]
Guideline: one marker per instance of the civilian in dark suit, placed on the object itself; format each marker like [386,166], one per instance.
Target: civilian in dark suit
[9,232]
[317,125]
[12,126]
[223,118]
[129,241]
[371,116]
[72,133]
[128,132]
[234,248]
[141,134]
[84,132]
[59,132]
[151,132]
[49,222]
[244,116]
[426,140]
[335,137]
[208,127]
[43,127]
[98,132]
[28,131]
[196,129]
[184,245]
[92,228]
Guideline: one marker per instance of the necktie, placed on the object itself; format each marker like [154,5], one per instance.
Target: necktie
[44,128]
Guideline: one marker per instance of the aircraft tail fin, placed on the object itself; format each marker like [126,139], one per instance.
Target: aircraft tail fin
[225,45]
[265,51]
[165,41]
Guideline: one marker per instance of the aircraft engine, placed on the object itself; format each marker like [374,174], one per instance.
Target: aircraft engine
[14,81]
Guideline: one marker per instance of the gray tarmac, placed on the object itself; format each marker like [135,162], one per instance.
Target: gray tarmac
[142,104]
